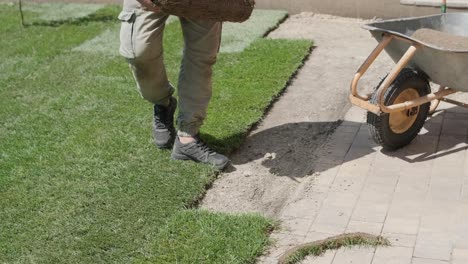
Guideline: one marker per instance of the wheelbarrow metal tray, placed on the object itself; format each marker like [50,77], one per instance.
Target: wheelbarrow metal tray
[443,66]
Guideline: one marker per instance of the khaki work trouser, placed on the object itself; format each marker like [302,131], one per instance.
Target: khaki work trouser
[141,37]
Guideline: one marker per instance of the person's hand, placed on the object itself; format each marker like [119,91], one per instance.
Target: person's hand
[150,6]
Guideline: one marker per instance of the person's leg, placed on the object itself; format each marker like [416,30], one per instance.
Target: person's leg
[202,40]
[141,38]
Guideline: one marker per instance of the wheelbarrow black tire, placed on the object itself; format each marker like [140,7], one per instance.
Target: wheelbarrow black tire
[379,125]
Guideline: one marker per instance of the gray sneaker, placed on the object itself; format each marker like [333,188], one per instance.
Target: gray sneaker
[198,152]
[163,129]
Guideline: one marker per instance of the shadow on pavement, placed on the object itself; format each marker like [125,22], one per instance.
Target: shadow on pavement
[443,134]
[299,149]
[292,149]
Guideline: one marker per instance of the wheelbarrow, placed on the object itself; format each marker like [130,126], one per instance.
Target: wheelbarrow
[401,103]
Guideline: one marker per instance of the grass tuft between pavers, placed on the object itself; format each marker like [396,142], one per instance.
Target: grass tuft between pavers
[317,248]
[80,179]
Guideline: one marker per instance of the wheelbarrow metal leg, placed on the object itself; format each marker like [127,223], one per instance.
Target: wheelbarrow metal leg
[435,103]
[450,101]
[362,101]
[364,104]
[419,101]
[393,75]
[365,66]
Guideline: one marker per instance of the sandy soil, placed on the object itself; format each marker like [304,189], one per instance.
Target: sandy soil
[441,39]
[276,165]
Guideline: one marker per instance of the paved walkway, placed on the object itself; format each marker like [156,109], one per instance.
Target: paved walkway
[416,197]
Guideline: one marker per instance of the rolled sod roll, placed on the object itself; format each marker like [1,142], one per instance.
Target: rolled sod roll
[216,10]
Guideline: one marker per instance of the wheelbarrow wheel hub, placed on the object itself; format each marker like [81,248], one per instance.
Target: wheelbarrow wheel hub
[400,122]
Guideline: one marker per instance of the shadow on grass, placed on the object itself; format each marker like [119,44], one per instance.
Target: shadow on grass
[228,145]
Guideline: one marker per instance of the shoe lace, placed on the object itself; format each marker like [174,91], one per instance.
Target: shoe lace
[203,148]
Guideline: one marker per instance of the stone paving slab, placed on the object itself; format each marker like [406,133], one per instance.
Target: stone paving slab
[417,197]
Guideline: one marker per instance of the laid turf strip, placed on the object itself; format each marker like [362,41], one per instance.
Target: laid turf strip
[80,179]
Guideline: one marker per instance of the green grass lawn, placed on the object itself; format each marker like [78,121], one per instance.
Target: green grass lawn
[80,179]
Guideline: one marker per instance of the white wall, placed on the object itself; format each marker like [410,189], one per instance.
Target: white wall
[350,8]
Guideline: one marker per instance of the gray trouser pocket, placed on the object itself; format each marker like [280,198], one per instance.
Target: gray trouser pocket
[127,37]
